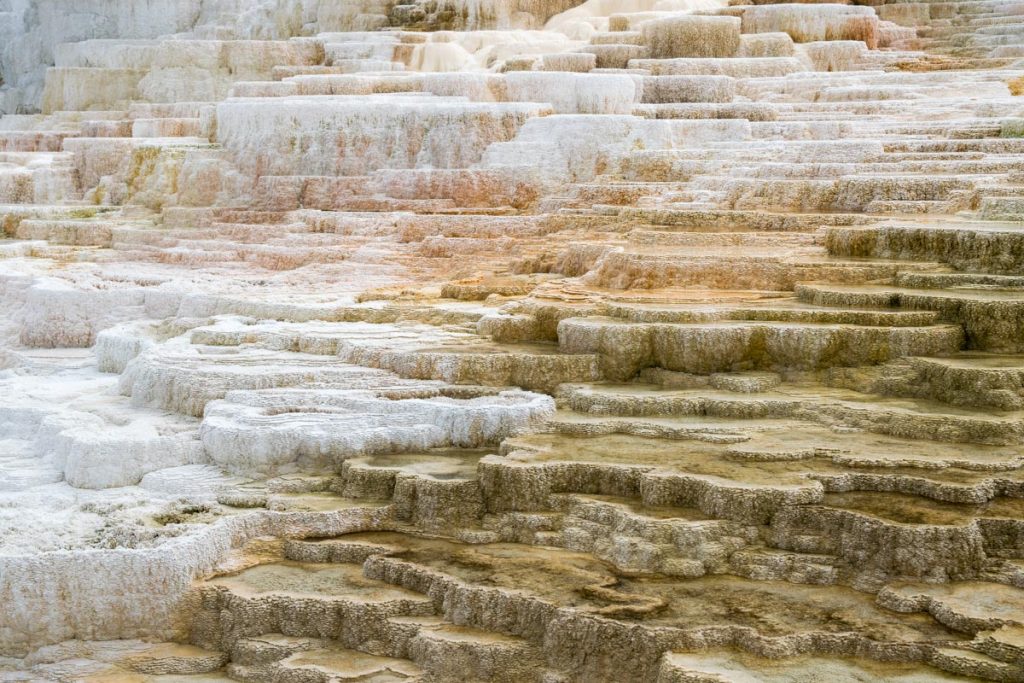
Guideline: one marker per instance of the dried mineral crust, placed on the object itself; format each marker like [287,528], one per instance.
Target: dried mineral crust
[511,340]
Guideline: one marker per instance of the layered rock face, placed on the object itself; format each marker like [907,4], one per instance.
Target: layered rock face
[511,340]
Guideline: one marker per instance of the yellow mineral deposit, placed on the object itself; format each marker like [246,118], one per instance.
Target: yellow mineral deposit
[525,341]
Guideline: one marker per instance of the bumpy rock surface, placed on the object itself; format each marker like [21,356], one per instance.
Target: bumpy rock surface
[511,340]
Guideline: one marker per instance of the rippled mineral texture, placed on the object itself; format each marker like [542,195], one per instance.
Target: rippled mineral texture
[547,341]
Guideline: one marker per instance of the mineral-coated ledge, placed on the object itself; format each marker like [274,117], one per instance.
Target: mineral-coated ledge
[511,340]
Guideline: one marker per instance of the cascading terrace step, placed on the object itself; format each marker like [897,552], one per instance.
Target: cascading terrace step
[625,348]
[907,418]
[990,316]
[519,342]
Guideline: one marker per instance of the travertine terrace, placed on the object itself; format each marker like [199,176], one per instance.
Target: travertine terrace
[511,340]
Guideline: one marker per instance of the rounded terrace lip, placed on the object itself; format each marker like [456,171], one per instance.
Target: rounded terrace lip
[511,340]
